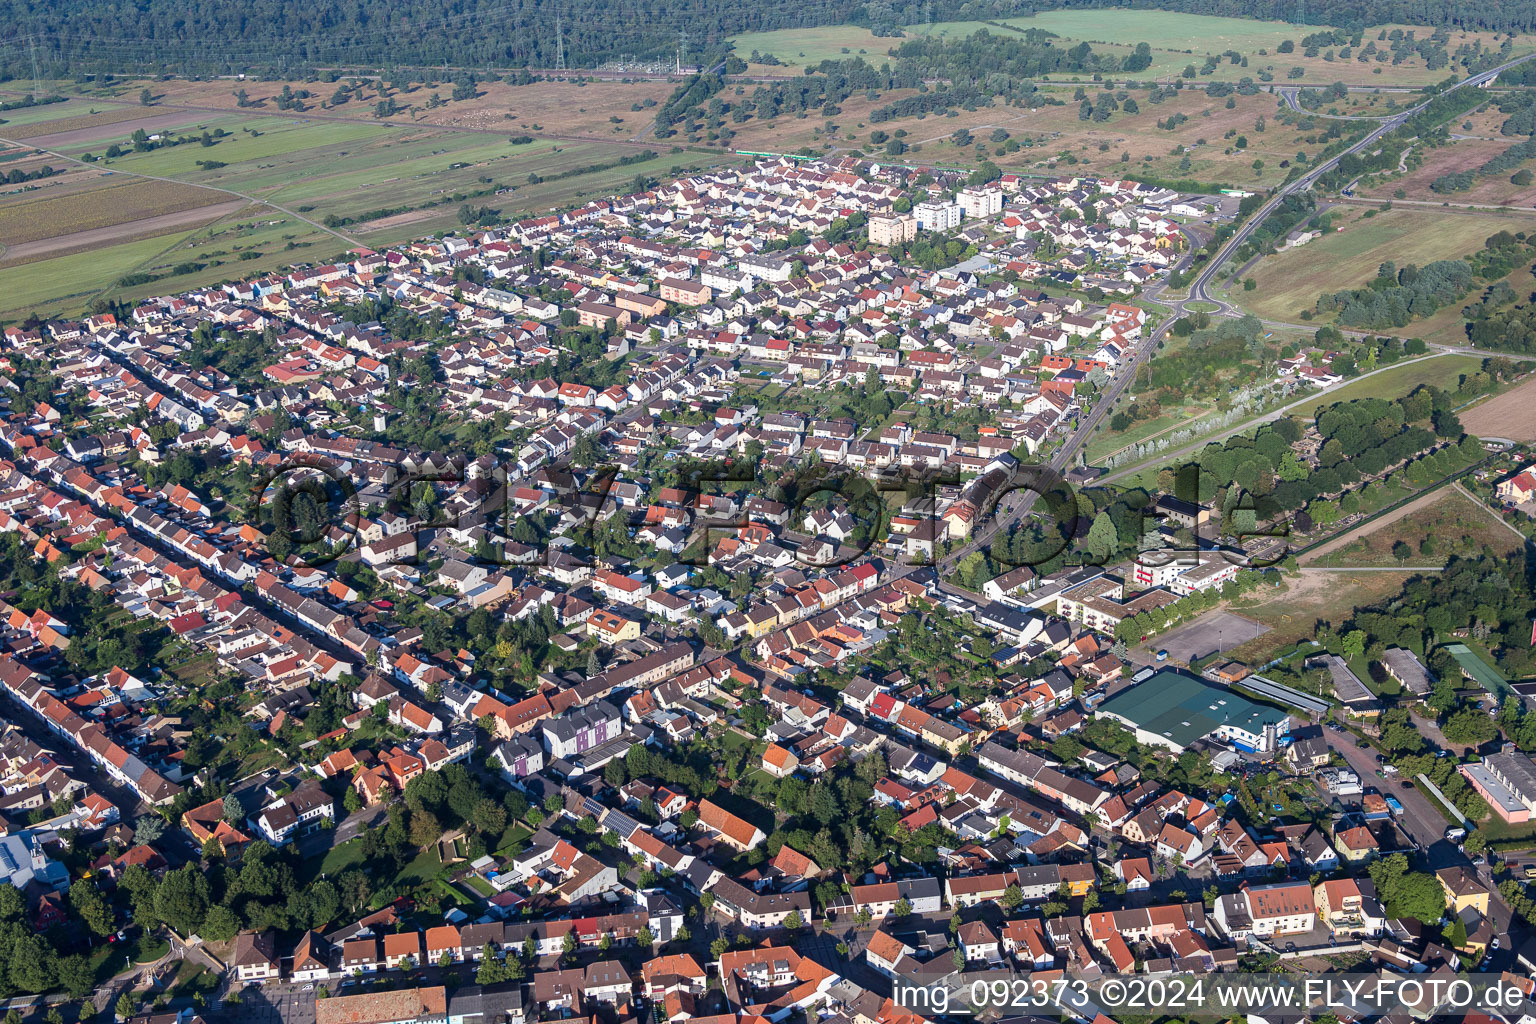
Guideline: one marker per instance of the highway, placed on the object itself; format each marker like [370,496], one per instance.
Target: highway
[1290,97]
[1198,290]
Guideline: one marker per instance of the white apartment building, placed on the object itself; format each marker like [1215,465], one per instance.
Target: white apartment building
[937,216]
[1285,908]
[981,202]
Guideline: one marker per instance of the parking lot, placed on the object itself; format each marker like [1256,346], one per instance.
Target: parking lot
[1216,631]
[272,1004]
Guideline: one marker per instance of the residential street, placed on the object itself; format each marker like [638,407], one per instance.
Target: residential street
[1426,825]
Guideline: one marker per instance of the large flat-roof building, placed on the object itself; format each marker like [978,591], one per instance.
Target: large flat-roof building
[1408,670]
[1175,710]
[1508,783]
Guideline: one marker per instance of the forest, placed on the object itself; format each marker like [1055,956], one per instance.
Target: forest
[84,37]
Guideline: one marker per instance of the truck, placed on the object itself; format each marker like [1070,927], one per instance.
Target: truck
[1394,805]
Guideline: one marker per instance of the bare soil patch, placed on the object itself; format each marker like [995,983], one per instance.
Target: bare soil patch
[1292,609]
[1511,415]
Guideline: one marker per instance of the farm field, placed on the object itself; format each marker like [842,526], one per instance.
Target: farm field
[49,118]
[251,139]
[383,182]
[39,215]
[1511,415]
[67,282]
[206,255]
[144,227]
[1450,522]
[1350,256]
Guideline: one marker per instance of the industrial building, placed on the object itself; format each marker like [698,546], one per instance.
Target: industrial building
[1175,710]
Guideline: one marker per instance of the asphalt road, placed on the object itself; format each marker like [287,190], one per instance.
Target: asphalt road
[1426,826]
[1290,101]
[1198,290]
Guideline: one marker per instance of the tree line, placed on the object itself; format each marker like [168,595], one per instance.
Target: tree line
[228,37]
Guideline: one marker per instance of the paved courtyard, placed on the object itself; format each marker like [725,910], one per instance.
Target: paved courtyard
[1215,631]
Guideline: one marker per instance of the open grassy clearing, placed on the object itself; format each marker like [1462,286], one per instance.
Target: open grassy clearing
[1367,104]
[1461,155]
[1441,371]
[561,108]
[557,107]
[1055,140]
[40,214]
[1452,524]
[1349,257]
[1291,609]
[1176,39]
[1128,144]
[1163,30]
[800,47]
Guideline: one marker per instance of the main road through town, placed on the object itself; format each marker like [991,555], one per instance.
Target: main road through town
[1023,501]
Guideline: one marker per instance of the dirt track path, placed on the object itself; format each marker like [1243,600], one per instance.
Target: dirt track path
[212,188]
[1371,526]
[115,233]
